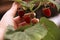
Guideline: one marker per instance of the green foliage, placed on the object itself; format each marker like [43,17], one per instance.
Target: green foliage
[45,30]
[37,32]
[53,30]
[30,4]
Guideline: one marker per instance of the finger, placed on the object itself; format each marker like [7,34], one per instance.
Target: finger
[22,24]
[14,8]
[17,19]
[12,11]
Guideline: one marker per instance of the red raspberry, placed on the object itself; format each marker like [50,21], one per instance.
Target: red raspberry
[27,18]
[21,13]
[46,12]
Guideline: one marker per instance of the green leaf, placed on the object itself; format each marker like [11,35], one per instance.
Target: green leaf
[10,28]
[36,32]
[22,28]
[53,30]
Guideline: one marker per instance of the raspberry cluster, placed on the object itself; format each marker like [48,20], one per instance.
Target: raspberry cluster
[46,10]
[28,17]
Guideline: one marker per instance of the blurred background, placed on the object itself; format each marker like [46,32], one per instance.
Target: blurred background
[4,6]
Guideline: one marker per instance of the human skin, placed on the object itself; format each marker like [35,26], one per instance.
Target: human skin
[8,19]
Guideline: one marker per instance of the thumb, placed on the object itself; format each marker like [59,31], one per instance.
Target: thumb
[8,17]
[12,11]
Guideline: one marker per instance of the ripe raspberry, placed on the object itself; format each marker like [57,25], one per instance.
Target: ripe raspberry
[21,13]
[27,18]
[46,12]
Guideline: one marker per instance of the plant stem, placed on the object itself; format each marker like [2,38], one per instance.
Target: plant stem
[38,6]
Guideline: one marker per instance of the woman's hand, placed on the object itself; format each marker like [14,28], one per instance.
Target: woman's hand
[8,19]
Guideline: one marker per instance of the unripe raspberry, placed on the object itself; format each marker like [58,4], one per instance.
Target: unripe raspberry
[35,20]
[32,14]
